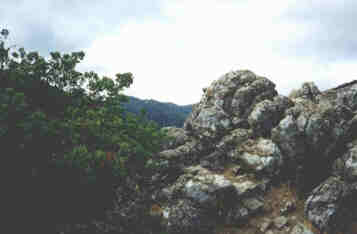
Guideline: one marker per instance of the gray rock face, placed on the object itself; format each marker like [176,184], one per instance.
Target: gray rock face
[342,95]
[260,155]
[346,166]
[248,94]
[231,200]
[328,204]
[265,224]
[234,139]
[236,214]
[241,120]
[186,154]
[179,152]
[317,127]
[289,138]
[177,137]
[208,190]
[215,161]
[325,129]
[268,113]
[227,103]
[280,222]
[301,229]
[236,117]
[288,207]
[242,210]
[253,204]
[308,91]
[184,217]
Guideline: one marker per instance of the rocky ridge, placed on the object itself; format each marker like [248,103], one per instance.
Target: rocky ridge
[249,160]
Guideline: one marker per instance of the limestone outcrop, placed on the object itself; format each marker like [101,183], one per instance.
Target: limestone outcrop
[251,139]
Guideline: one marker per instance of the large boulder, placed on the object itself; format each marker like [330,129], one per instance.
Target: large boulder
[215,194]
[200,185]
[317,127]
[290,138]
[267,114]
[207,189]
[260,155]
[313,132]
[227,103]
[330,205]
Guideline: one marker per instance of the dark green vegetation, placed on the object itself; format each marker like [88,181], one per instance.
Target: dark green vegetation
[65,142]
[165,114]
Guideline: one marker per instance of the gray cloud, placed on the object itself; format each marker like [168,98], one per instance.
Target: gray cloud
[320,37]
[330,29]
[69,25]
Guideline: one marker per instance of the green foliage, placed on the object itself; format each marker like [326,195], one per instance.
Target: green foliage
[53,116]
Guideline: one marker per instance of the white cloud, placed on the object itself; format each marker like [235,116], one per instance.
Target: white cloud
[194,42]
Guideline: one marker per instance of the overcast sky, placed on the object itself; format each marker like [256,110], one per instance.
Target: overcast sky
[175,48]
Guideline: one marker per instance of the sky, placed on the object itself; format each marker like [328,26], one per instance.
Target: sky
[175,48]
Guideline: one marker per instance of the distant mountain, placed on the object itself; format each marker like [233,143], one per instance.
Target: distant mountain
[164,113]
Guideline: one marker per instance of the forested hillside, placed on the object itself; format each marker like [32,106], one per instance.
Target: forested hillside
[163,113]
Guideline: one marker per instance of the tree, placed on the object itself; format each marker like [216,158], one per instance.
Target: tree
[66,136]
